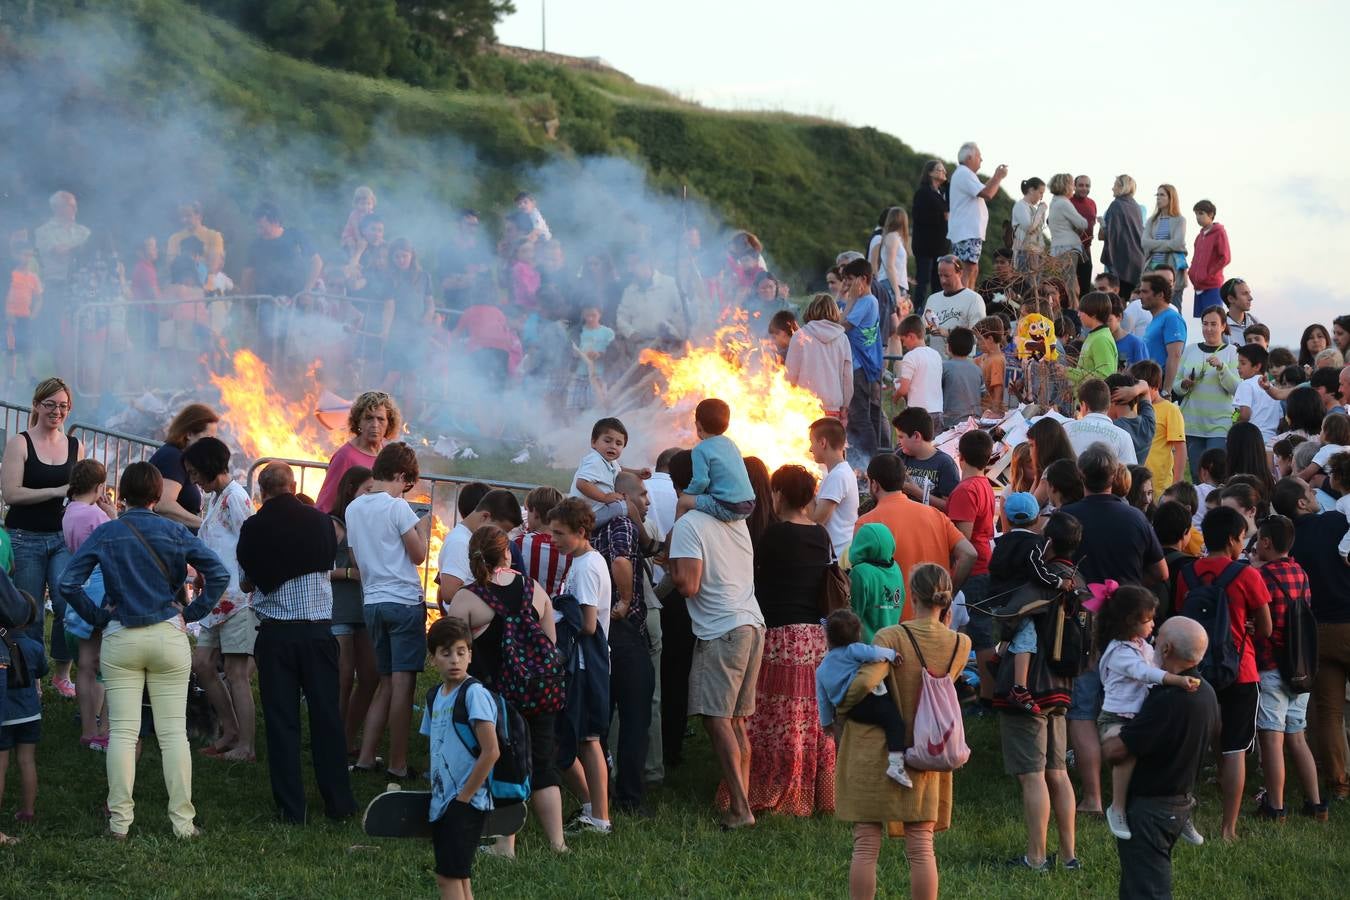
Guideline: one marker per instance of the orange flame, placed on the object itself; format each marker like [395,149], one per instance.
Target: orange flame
[769,416]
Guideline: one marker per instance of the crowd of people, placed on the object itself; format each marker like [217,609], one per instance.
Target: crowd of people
[1144,590]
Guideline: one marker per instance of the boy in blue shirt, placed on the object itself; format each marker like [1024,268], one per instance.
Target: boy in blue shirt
[862,324]
[22,727]
[721,485]
[459,796]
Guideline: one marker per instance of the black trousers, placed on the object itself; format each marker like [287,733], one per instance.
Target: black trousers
[1084,272]
[294,657]
[925,281]
[1146,858]
[677,655]
[874,710]
[632,682]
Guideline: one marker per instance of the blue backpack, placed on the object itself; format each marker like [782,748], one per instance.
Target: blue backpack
[1208,605]
[509,781]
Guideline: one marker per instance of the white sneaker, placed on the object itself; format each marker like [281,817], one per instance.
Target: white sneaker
[899,775]
[1115,820]
[1190,835]
[595,826]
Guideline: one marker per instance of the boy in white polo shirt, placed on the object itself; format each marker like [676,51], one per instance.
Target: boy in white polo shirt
[920,380]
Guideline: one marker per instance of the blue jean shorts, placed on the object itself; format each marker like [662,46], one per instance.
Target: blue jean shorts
[1086,704]
[1278,708]
[342,629]
[399,633]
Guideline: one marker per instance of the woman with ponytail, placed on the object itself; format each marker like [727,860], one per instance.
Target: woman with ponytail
[496,586]
[863,793]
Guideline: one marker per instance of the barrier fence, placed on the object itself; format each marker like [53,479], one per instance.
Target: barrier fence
[435,493]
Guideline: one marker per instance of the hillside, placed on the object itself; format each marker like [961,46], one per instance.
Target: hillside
[134,104]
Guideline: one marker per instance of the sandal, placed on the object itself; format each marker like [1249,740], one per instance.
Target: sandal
[7,840]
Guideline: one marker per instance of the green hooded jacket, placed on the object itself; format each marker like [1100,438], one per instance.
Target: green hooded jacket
[877,586]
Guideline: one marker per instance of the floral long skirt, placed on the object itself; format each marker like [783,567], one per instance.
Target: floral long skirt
[792,757]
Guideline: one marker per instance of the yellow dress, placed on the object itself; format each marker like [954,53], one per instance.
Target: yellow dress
[862,791]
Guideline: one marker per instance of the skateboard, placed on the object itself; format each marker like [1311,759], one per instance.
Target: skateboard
[404,814]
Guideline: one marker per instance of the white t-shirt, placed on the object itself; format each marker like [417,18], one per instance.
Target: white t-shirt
[599,472]
[923,367]
[841,486]
[1266,410]
[726,594]
[587,579]
[454,558]
[962,309]
[376,524]
[1136,319]
[1324,456]
[223,515]
[969,214]
[1097,428]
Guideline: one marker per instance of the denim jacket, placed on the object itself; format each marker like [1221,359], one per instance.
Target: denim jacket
[138,594]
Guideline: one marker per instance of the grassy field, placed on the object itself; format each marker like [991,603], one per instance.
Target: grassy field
[680,852]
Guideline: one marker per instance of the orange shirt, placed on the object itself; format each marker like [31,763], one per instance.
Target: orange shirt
[922,534]
[23,286]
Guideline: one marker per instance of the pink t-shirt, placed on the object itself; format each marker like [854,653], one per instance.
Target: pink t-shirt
[79,522]
[346,457]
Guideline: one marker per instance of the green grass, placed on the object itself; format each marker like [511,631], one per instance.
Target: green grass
[679,853]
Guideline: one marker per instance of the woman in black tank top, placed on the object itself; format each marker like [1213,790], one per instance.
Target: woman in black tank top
[34,478]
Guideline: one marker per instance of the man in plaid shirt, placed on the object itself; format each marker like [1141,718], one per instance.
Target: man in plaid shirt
[632,678]
[1281,714]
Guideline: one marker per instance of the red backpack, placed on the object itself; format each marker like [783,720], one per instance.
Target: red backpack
[533,674]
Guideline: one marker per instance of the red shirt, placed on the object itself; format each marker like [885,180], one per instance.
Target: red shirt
[1211,255]
[543,562]
[973,501]
[1087,208]
[1287,583]
[1246,594]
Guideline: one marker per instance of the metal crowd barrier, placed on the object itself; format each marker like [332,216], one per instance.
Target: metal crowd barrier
[437,493]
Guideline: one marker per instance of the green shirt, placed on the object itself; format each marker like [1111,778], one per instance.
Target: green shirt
[6,553]
[1098,357]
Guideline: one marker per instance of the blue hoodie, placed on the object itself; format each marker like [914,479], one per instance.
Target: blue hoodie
[837,671]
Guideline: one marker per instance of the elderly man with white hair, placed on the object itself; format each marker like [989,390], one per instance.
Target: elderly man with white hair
[58,238]
[969,212]
[1168,737]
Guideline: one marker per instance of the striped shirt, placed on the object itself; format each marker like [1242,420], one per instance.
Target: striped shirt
[1162,230]
[542,560]
[1208,407]
[307,597]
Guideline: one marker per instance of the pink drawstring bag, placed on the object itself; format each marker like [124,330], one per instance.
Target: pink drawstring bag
[939,734]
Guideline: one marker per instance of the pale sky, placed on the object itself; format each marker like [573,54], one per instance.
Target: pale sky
[1242,103]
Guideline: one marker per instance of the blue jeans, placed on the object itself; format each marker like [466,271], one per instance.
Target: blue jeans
[40,559]
[864,420]
[1195,448]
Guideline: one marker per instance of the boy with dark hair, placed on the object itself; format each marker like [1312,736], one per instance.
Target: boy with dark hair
[1256,334]
[1211,255]
[586,722]
[459,796]
[971,509]
[933,475]
[1132,411]
[1248,600]
[1172,525]
[862,324]
[836,503]
[1193,542]
[920,378]
[847,654]
[495,507]
[1210,471]
[1130,348]
[594,479]
[1096,425]
[962,381]
[1251,401]
[1166,456]
[1282,714]
[721,485]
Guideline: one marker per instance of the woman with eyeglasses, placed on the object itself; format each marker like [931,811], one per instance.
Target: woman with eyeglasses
[374,420]
[34,479]
[928,215]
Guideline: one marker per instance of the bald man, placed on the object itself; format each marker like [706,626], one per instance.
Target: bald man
[286,551]
[1172,732]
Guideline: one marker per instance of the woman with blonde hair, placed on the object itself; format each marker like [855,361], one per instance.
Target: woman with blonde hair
[34,481]
[818,356]
[863,794]
[363,204]
[1164,239]
[1121,234]
[373,421]
[1067,227]
[890,256]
